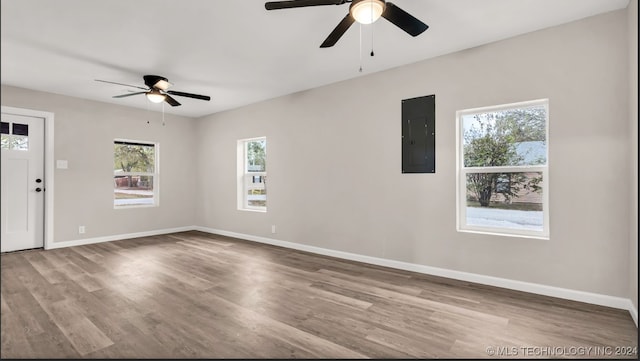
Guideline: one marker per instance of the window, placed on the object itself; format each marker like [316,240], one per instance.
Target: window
[135,174]
[502,169]
[14,136]
[252,174]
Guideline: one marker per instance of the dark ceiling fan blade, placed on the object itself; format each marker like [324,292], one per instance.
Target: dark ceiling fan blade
[275,5]
[171,101]
[337,33]
[189,95]
[404,20]
[133,86]
[128,95]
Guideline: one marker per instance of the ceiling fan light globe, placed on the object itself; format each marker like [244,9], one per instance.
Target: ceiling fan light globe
[155,97]
[367,11]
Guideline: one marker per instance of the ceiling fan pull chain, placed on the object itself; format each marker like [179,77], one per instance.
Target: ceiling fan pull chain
[372,25]
[372,22]
[163,114]
[360,53]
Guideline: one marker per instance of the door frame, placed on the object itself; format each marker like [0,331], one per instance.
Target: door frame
[48,165]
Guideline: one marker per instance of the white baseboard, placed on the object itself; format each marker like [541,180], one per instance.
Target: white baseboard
[634,312]
[568,294]
[81,242]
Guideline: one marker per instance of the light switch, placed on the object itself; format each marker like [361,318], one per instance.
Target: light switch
[62,164]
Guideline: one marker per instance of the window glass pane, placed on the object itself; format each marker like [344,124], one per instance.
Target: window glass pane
[256,155]
[257,197]
[4,127]
[19,142]
[252,184]
[509,137]
[505,200]
[133,190]
[20,129]
[5,141]
[134,157]
[134,168]
[256,190]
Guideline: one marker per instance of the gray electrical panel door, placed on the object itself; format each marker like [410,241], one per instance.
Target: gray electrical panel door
[419,135]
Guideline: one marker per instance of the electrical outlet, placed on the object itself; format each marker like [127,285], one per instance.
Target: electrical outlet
[273,229]
[81,229]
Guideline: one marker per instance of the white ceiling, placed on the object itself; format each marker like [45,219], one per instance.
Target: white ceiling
[236,51]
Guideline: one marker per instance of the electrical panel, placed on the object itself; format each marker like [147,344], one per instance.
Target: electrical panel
[419,135]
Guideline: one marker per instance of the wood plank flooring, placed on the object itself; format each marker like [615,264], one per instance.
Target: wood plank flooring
[196,295]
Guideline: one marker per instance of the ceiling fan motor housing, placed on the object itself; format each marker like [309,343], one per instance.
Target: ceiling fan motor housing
[152,81]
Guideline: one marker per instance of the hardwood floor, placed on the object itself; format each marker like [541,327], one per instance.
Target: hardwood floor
[195,295]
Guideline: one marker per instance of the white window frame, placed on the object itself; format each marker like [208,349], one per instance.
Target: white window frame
[462,171]
[244,177]
[155,174]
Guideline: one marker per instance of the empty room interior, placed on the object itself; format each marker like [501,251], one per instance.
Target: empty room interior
[319,179]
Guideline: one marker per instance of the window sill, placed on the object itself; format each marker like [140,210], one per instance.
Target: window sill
[501,234]
[253,210]
[137,206]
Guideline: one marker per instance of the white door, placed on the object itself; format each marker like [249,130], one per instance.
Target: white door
[22,182]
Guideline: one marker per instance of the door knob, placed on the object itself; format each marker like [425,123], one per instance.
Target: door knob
[38,180]
[38,190]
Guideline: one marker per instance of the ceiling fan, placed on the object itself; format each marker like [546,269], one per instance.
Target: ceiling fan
[156,90]
[362,11]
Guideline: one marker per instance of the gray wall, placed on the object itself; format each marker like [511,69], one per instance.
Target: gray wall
[334,160]
[84,133]
[632,12]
